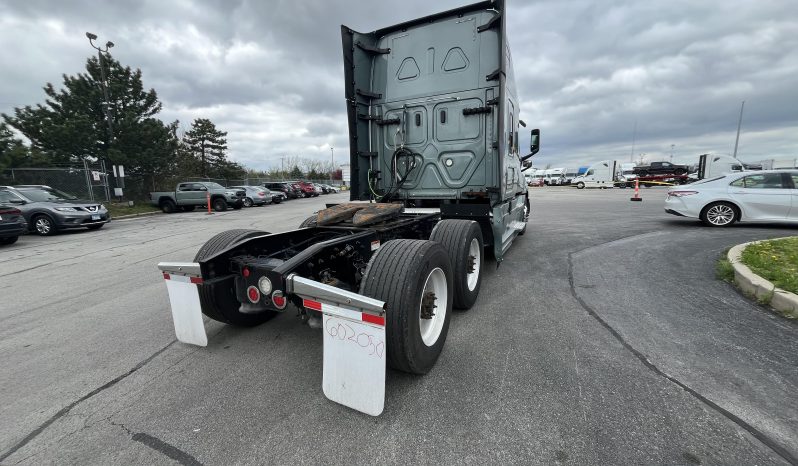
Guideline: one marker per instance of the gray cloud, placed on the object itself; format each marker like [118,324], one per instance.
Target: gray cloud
[270,73]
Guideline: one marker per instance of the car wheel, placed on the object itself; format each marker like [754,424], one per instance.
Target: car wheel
[168,206]
[719,214]
[580,185]
[219,204]
[9,240]
[277,200]
[248,202]
[44,225]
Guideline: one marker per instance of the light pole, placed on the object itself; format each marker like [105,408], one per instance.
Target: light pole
[672,145]
[332,164]
[739,124]
[103,84]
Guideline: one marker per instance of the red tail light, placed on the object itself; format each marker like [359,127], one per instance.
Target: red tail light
[11,212]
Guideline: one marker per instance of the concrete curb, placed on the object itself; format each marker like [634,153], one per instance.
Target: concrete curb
[751,283]
[143,214]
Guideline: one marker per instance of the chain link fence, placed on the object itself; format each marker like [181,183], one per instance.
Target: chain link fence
[88,182]
[93,182]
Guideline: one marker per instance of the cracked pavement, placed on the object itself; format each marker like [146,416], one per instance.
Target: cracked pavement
[603,338]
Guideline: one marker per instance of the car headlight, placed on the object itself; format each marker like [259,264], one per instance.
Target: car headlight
[230,193]
[66,209]
[102,206]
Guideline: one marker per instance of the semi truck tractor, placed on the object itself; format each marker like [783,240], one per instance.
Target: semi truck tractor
[436,186]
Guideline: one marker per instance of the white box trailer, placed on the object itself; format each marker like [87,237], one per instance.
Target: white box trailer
[598,175]
[777,164]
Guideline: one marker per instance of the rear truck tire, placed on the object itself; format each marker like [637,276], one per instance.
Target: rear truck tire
[189,208]
[9,240]
[44,225]
[414,279]
[248,202]
[580,185]
[95,227]
[218,301]
[219,204]
[719,214]
[168,206]
[309,222]
[462,239]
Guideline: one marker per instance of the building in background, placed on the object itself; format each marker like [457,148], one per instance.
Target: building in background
[346,173]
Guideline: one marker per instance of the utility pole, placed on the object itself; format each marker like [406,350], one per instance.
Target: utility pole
[104,85]
[672,145]
[634,137]
[332,164]
[282,167]
[739,123]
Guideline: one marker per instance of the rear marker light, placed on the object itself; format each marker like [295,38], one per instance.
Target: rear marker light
[245,272]
[253,294]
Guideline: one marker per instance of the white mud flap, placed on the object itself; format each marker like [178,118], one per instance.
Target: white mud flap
[354,357]
[186,309]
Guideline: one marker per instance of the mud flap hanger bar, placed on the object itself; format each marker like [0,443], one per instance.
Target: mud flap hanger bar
[310,289]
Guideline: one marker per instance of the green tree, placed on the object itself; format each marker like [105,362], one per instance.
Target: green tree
[71,125]
[208,145]
[295,173]
[13,152]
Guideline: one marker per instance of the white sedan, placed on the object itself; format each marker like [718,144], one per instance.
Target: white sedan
[761,196]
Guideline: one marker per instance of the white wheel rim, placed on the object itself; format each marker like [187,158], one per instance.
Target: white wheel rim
[473,251]
[720,214]
[431,328]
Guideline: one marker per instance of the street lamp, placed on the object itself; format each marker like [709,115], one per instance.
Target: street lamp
[672,145]
[103,84]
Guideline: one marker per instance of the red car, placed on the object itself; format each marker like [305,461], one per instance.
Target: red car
[307,189]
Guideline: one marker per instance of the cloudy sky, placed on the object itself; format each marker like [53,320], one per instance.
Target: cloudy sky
[269,72]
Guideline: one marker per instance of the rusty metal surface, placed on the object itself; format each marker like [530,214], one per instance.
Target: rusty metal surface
[338,213]
[375,213]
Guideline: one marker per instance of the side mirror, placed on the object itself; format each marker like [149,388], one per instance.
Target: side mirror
[17,201]
[534,144]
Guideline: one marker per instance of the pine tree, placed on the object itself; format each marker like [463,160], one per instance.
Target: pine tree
[208,145]
[71,125]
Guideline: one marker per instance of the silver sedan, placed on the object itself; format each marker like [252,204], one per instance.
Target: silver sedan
[760,196]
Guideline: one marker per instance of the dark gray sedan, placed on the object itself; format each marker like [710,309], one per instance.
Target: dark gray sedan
[48,210]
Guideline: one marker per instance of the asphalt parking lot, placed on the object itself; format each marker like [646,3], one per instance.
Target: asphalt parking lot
[603,338]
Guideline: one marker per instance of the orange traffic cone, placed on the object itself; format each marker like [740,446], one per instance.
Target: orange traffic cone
[637,192]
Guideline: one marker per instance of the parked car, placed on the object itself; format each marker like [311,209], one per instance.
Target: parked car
[333,189]
[318,188]
[47,210]
[255,195]
[187,196]
[12,224]
[762,196]
[283,187]
[305,189]
[278,197]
